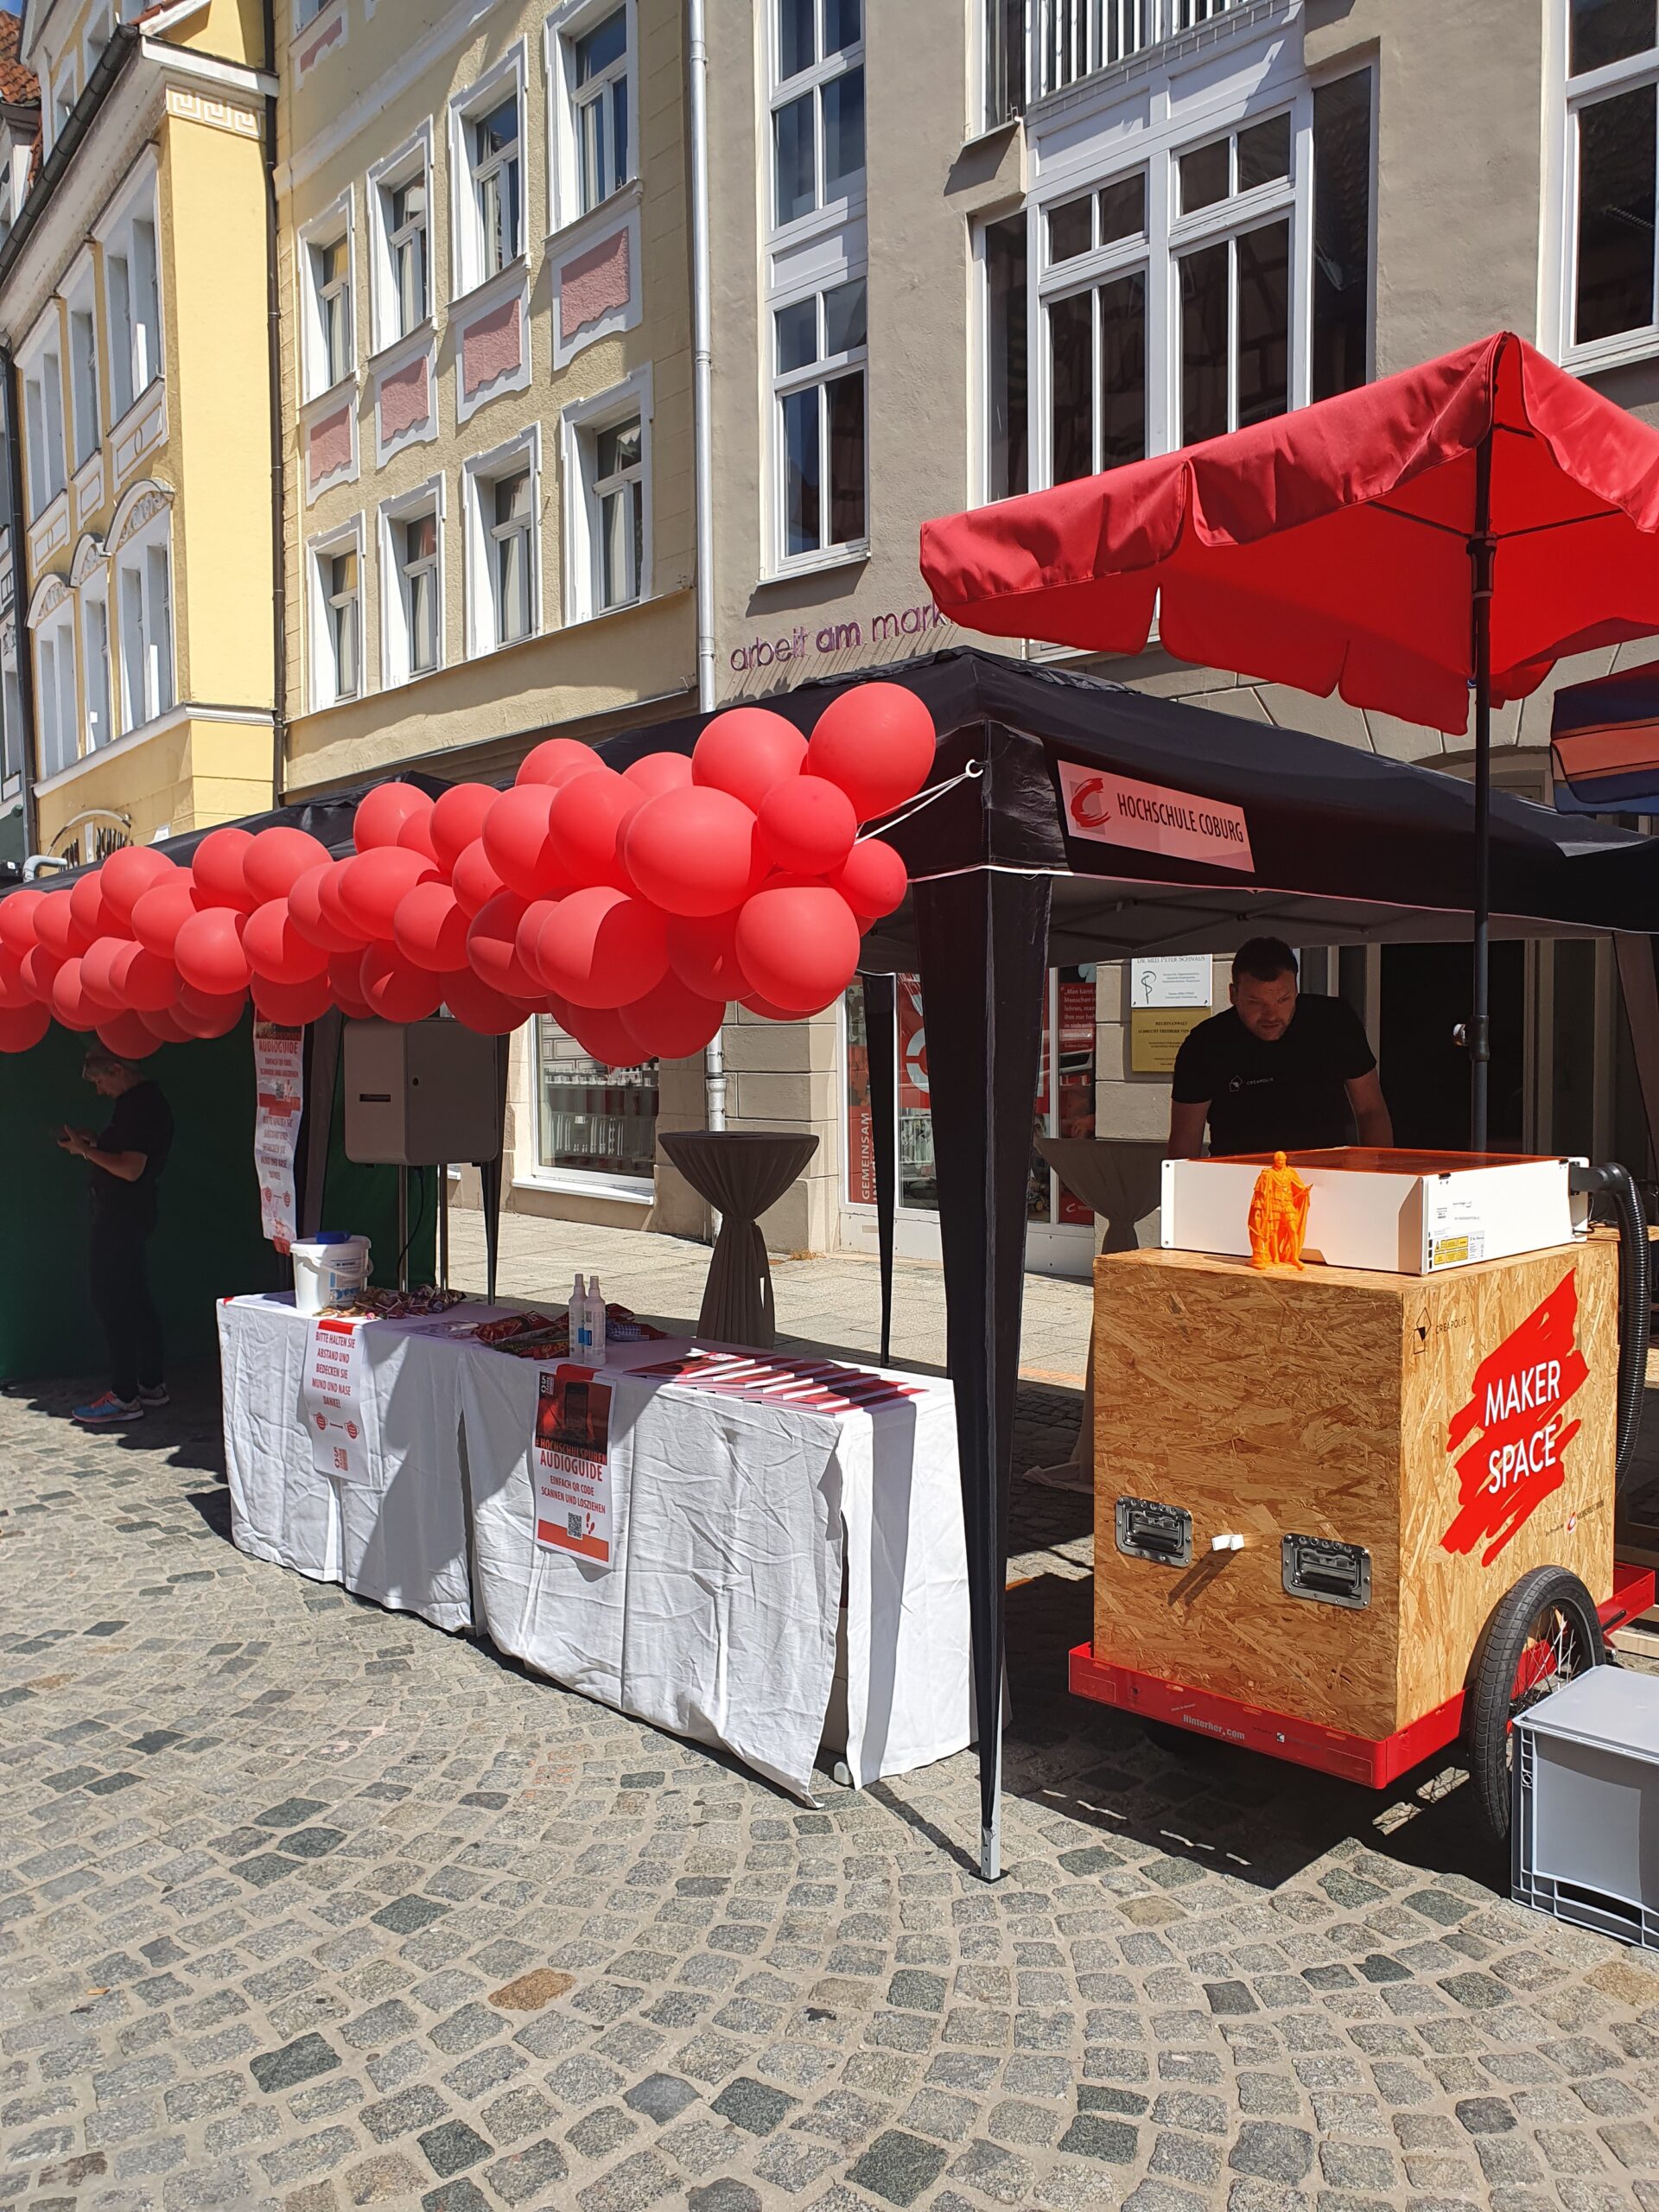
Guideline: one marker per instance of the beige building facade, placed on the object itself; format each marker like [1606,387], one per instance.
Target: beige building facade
[962,251]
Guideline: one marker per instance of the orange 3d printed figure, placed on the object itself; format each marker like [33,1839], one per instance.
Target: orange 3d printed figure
[1278,1218]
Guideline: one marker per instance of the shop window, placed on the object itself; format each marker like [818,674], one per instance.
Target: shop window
[821,352]
[817,105]
[596,1124]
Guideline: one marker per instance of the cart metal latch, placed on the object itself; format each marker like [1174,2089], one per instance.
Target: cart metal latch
[1148,1531]
[1329,1572]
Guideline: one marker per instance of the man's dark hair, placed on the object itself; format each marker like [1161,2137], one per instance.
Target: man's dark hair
[1263,958]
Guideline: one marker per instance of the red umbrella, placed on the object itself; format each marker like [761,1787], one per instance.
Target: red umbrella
[1457,528]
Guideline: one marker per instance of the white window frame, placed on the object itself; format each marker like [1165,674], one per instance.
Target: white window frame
[45,426]
[784,92]
[94,596]
[579,427]
[467,270]
[1565,99]
[565,27]
[480,476]
[56,692]
[412,159]
[779,386]
[135,559]
[395,634]
[320,552]
[81,304]
[99,30]
[57,108]
[136,351]
[588,1182]
[335,224]
[1124,140]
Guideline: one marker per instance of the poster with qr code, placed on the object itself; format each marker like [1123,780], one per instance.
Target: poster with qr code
[570,1463]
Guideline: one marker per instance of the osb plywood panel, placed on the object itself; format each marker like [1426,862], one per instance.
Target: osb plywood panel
[1318,1404]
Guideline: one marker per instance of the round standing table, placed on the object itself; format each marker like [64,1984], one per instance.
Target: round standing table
[741,1172]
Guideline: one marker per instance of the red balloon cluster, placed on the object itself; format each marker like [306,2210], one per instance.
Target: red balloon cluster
[632,906]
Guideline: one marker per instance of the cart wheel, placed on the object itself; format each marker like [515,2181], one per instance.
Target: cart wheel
[1542,1633]
[1179,1743]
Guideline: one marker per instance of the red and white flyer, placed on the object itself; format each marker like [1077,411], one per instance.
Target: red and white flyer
[279,1086]
[331,1400]
[570,1463]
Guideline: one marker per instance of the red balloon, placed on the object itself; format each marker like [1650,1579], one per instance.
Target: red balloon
[70,1004]
[670,1022]
[217,865]
[746,751]
[208,1013]
[877,741]
[86,905]
[557,760]
[397,991]
[429,928]
[768,1012]
[382,813]
[142,980]
[305,911]
[874,879]
[704,955]
[415,836]
[22,1027]
[808,825]
[57,926]
[276,860]
[345,981]
[656,772]
[37,968]
[375,884]
[475,1006]
[457,819]
[691,852]
[602,948]
[130,1036]
[166,1025]
[14,991]
[474,880]
[97,977]
[798,946]
[583,827]
[276,950]
[209,953]
[129,871]
[331,905]
[160,913]
[17,911]
[492,949]
[292,1004]
[528,933]
[517,842]
[602,1037]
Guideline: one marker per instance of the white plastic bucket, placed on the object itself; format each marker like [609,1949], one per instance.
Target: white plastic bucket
[325,1275]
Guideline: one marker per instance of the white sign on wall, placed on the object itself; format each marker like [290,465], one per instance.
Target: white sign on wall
[1182,979]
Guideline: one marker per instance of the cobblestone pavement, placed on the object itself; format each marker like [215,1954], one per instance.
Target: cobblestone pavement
[306,1906]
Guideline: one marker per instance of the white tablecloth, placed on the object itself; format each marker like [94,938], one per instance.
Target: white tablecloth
[734,1522]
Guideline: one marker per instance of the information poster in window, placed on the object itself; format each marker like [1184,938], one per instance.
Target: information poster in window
[570,1463]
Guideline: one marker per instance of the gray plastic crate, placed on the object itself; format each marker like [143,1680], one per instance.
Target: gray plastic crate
[1585,1839]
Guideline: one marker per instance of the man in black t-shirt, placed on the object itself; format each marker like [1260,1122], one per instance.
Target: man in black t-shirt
[126,1158]
[1277,1073]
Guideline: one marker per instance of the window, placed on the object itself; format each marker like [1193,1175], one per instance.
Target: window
[411,569]
[1006,400]
[131,282]
[306,11]
[1342,235]
[495,185]
[600,106]
[60,106]
[83,380]
[510,554]
[406,246]
[1611,174]
[331,279]
[593,1124]
[145,613]
[12,733]
[43,429]
[619,496]
[502,510]
[54,685]
[400,242]
[98,34]
[95,660]
[820,352]
[341,621]
[817,105]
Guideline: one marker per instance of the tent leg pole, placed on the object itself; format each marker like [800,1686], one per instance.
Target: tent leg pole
[881,995]
[1481,545]
[985,967]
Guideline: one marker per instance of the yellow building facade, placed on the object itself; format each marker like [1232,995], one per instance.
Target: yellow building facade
[133,303]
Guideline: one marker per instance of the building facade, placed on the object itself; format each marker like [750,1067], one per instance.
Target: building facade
[487,390]
[20,125]
[133,308]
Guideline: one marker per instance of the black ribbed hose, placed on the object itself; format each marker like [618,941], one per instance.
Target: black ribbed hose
[1617,1184]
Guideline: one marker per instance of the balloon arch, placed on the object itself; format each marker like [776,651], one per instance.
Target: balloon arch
[632,906]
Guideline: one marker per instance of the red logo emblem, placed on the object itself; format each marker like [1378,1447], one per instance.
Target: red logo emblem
[1515,1415]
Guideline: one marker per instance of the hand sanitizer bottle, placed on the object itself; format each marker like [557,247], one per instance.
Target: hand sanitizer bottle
[581,1336]
[596,1321]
